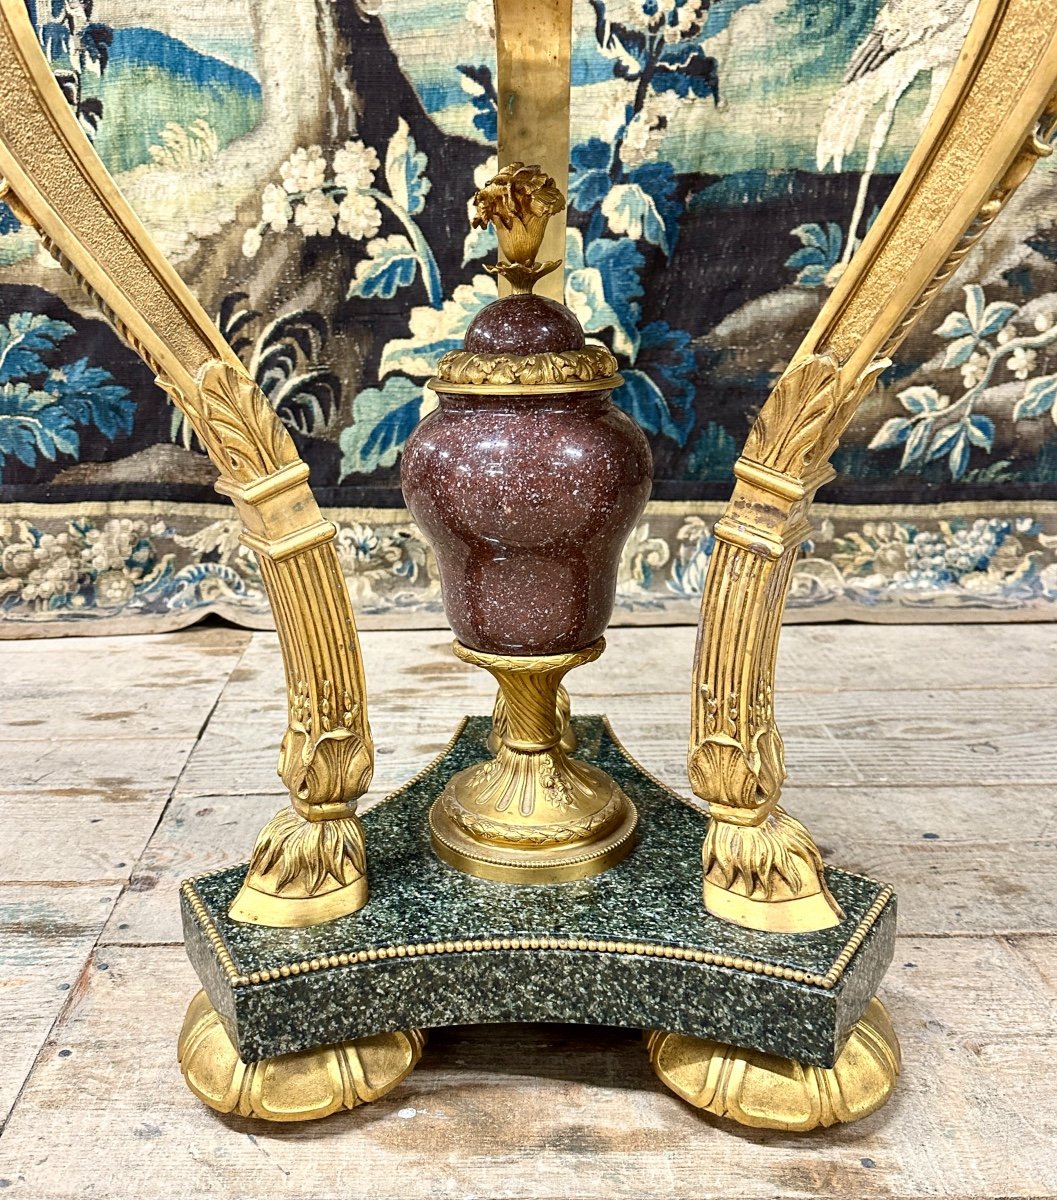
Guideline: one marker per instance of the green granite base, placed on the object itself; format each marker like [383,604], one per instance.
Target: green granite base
[632,947]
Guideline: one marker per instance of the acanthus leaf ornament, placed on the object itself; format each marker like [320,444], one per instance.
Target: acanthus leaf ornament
[593,365]
[533,813]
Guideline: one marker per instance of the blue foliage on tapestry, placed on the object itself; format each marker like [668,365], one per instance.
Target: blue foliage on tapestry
[44,403]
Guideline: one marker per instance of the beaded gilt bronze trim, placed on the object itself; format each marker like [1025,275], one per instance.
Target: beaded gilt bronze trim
[579,944]
[590,945]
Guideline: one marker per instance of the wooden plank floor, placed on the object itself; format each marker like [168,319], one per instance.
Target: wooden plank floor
[924,755]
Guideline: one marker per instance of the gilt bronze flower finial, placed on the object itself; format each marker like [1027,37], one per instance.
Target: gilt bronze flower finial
[518,203]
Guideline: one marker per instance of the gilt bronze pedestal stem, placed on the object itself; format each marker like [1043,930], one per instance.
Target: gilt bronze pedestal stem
[533,814]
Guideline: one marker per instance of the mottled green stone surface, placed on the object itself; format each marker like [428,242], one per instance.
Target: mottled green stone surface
[653,897]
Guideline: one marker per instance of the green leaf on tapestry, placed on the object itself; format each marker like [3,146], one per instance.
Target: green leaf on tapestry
[382,420]
[944,440]
[996,472]
[960,350]
[974,304]
[827,241]
[980,431]
[955,325]
[917,443]
[91,397]
[995,316]
[922,399]
[479,243]
[892,433]
[23,339]
[391,264]
[959,456]
[405,171]
[602,287]
[32,424]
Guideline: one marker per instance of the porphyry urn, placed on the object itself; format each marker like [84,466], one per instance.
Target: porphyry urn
[527,480]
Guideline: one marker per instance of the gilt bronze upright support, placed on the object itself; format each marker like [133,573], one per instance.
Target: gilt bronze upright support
[309,862]
[993,122]
[533,63]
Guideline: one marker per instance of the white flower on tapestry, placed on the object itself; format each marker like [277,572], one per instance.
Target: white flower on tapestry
[304,171]
[480,14]
[319,195]
[44,570]
[316,214]
[252,241]
[1022,362]
[110,566]
[973,370]
[646,131]
[980,339]
[613,113]
[355,165]
[276,209]
[674,20]
[114,589]
[359,217]
[119,541]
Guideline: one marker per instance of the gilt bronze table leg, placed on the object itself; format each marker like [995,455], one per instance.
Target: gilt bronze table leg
[762,869]
[309,863]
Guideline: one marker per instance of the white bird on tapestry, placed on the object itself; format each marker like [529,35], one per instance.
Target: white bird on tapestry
[908,37]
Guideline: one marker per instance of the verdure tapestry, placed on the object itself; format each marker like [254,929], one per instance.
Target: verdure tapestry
[307,166]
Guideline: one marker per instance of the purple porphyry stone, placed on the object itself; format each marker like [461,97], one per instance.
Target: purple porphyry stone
[527,500]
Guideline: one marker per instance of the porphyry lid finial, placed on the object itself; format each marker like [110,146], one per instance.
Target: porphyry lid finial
[518,203]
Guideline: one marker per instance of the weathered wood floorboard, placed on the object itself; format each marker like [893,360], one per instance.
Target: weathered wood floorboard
[539,1111]
[46,937]
[919,754]
[93,736]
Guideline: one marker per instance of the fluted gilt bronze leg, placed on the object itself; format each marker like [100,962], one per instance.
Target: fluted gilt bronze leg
[761,868]
[309,863]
